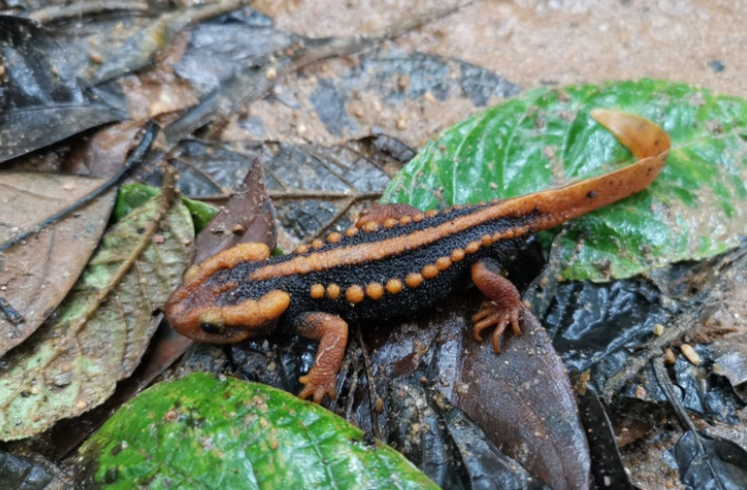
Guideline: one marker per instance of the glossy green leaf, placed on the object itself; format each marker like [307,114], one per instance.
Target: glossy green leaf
[98,334]
[133,195]
[203,432]
[695,209]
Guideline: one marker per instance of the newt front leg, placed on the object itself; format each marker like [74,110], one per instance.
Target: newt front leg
[332,333]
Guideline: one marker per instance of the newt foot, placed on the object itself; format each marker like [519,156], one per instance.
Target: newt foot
[492,314]
[318,384]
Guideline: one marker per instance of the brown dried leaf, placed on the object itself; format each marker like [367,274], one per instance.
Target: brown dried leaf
[106,151]
[36,274]
[523,400]
[246,217]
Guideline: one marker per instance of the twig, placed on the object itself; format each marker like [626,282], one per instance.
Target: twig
[133,162]
[371,388]
[55,13]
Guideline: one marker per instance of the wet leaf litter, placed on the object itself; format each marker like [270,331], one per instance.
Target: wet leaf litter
[310,210]
[28,285]
[102,328]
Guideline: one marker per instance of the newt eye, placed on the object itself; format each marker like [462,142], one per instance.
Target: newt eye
[211,328]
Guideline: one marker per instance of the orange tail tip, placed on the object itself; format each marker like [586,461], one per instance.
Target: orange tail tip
[646,140]
[639,135]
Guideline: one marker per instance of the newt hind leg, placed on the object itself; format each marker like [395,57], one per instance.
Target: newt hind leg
[332,333]
[503,307]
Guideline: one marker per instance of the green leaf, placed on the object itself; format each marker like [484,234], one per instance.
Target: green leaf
[98,334]
[201,213]
[203,432]
[133,195]
[695,209]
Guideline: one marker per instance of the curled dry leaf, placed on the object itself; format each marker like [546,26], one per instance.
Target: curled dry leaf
[36,274]
[102,328]
[247,217]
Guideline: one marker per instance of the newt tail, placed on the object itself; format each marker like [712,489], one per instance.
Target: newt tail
[395,261]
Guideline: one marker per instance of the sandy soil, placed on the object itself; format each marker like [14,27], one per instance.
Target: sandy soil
[535,42]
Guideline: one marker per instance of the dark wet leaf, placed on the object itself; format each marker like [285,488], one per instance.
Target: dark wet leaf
[690,212]
[711,463]
[315,189]
[219,46]
[707,395]
[382,92]
[607,467]
[28,473]
[102,328]
[36,274]
[593,325]
[608,329]
[730,359]
[203,432]
[141,46]
[41,101]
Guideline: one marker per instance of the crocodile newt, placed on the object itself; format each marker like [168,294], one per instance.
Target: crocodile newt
[395,261]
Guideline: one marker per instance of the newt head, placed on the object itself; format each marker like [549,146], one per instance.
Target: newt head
[195,310]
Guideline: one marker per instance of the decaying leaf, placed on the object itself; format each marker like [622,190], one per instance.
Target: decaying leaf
[102,328]
[36,274]
[41,100]
[29,473]
[247,217]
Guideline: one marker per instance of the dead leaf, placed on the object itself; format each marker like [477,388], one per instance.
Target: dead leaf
[523,400]
[42,99]
[105,152]
[102,328]
[247,217]
[36,274]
